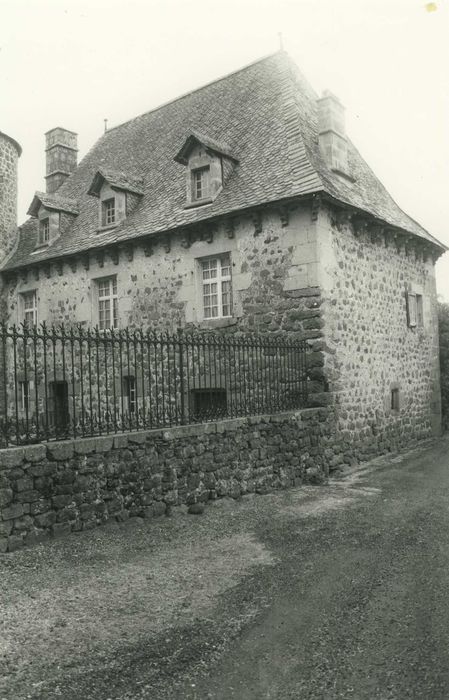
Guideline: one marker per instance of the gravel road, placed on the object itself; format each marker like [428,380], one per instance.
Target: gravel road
[336,591]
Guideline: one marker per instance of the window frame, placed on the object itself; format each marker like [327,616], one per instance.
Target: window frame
[111,298]
[25,395]
[415,310]
[395,399]
[204,172]
[44,231]
[219,279]
[33,309]
[110,202]
[130,385]
[209,403]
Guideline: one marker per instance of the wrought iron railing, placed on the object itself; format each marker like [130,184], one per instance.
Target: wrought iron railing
[58,382]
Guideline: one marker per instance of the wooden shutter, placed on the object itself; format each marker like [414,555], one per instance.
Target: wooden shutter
[411,309]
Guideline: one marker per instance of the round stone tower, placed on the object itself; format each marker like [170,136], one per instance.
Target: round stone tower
[9,155]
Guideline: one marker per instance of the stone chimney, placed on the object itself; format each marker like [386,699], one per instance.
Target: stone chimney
[61,148]
[332,132]
[9,155]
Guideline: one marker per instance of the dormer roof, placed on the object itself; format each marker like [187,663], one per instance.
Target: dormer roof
[195,137]
[117,180]
[54,202]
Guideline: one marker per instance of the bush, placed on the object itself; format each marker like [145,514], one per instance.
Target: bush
[443,318]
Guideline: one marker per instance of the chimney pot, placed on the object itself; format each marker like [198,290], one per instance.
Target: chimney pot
[61,148]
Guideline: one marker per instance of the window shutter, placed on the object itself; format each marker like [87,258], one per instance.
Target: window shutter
[411,309]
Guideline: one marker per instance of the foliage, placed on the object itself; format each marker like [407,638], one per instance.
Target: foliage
[443,317]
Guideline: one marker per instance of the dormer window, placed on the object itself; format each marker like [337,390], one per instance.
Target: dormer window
[54,213]
[118,194]
[209,164]
[200,183]
[108,211]
[44,231]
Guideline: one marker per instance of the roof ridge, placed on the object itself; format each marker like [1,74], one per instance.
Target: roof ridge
[297,150]
[191,92]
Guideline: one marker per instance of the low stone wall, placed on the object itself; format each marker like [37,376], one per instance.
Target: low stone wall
[56,488]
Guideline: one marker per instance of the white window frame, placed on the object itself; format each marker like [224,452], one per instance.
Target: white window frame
[28,301]
[215,273]
[107,303]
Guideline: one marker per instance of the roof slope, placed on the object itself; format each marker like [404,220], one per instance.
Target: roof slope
[265,113]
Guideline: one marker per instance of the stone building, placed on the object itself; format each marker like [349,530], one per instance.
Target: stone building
[242,206]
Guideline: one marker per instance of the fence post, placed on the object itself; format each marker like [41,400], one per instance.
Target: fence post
[181,374]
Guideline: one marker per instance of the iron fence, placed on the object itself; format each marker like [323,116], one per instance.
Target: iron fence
[74,382]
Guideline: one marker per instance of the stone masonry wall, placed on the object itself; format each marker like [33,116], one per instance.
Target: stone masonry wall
[370,349]
[159,282]
[8,194]
[76,485]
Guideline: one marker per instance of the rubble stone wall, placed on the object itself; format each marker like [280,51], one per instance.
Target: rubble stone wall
[76,485]
[371,349]
[9,155]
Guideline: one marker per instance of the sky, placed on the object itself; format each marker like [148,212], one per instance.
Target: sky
[74,63]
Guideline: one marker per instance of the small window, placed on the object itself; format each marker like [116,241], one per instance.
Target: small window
[209,404]
[108,212]
[200,184]
[395,403]
[44,231]
[415,310]
[130,393]
[107,303]
[24,396]
[217,287]
[419,310]
[29,307]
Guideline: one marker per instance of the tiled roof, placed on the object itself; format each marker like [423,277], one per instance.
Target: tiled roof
[52,201]
[117,179]
[265,113]
[196,137]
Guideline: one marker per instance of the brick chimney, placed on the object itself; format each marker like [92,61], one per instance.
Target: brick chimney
[332,132]
[61,147]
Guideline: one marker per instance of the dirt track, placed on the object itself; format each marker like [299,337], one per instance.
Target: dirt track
[319,592]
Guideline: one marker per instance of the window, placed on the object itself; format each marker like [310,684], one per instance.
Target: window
[108,212]
[29,307]
[415,309]
[44,231]
[58,406]
[107,303]
[24,396]
[200,183]
[209,403]
[419,310]
[130,392]
[395,400]
[217,291]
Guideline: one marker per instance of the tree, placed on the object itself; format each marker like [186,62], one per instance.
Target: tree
[443,318]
